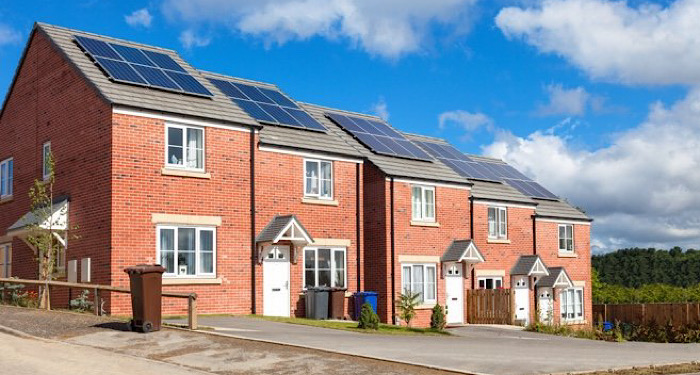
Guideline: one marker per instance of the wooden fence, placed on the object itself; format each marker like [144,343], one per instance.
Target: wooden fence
[191,297]
[489,306]
[661,313]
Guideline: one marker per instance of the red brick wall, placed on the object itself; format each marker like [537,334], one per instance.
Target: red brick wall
[377,249]
[578,268]
[50,101]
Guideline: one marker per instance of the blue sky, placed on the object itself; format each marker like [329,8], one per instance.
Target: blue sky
[570,91]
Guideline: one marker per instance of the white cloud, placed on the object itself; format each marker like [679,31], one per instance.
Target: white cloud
[611,40]
[381,109]
[8,35]
[563,101]
[189,39]
[641,190]
[388,28]
[469,121]
[141,17]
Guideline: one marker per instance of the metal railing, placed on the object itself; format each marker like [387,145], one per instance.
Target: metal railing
[96,288]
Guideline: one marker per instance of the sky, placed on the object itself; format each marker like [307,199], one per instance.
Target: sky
[597,100]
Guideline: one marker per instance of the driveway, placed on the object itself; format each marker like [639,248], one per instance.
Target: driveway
[475,349]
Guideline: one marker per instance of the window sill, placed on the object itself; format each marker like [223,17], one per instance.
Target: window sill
[185,173]
[573,322]
[321,202]
[496,240]
[418,223]
[426,306]
[191,281]
[567,255]
[7,199]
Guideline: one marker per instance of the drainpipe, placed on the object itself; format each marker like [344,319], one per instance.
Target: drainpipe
[252,221]
[471,235]
[358,246]
[393,251]
[534,235]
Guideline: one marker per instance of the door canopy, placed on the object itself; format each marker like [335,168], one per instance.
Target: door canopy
[462,251]
[283,230]
[557,278]
[55,218]
[530,265]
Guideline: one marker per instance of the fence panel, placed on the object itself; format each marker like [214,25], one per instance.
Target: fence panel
[489,306]
[661,313]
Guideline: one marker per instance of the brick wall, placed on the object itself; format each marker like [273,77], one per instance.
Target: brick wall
[50,101]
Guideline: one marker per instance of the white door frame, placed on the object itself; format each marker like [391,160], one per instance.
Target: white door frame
[546,312]
[454,294]
[276,295]
[521,289]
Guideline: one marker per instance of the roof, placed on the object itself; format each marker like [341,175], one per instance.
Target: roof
[219,107]
[57,218]
[279,224]
[288,137]
[498,191]
[558,209]
[392,166]
[462,250]
[529,265]
[558,277]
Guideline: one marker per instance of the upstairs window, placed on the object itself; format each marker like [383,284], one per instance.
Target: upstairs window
[423,203]
[318,179]
[45,158]
[498,223]
[6,173]
[566,238]
[185,147]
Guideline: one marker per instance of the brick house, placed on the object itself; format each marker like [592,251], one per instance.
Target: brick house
[248,197]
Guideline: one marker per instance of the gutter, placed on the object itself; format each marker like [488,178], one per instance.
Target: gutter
[358,229]
[534,234]
[471,234]
[393,250]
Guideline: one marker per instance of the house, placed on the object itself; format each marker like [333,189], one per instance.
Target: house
[248,197]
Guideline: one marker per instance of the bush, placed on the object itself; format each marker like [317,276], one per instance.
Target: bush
[82,302]
[437,318]
[406,304]
[368,318]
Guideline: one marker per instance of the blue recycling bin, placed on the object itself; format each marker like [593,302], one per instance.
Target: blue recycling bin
[365,297]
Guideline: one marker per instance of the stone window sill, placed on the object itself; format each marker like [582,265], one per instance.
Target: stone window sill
[191,281]
[496,240]
[568,255]
[321,202]
[425,307]
[7,199]
[185,173]
[433,224]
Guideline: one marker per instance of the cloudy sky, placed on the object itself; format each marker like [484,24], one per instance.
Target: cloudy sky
[598,100]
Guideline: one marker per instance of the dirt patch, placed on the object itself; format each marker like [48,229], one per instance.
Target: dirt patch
[55,324]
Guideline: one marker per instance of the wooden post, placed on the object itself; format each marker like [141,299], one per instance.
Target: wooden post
[96,302]
[192,311]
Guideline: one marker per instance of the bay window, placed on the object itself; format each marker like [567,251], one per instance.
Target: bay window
[325,267]
[419,279]
[318,179]
[6,173]
[498,223]
[184,147]
[566,238]
[423,203]
[187,251]
[571,304]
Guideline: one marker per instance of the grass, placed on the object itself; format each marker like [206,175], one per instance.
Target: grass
[686,368]
[352,326]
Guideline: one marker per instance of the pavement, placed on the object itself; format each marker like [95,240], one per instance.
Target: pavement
[472,349]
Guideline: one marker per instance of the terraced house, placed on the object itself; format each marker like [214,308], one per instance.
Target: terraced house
[249,197]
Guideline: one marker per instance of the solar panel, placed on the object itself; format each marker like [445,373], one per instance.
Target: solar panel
[141,67]
[267,105]
[379,137]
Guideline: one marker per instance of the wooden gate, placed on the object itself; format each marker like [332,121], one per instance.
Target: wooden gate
[489,306]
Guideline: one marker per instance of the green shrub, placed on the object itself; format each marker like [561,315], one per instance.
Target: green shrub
[437,318]
[368,318]
[82,302]
[406,304]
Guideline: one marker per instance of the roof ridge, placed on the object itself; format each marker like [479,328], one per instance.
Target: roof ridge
[110,38]
[226,76]
[343,111]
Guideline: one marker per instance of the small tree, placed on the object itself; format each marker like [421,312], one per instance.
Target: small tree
[368,318]
[437,318]
[407,303]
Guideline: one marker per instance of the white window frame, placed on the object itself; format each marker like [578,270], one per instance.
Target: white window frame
[333,250]
[198,229]
[423,293]
[564,304]
[6,260]
[500,231]
[45,160]
[421,216]
[185,149]
[565,250]
[7,178]
[493,281]
[318,163]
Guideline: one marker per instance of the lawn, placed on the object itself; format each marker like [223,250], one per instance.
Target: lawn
[352,326]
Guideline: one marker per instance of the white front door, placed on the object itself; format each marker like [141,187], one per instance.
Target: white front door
[454,289]
[276,281]
[522,299]
[545,305]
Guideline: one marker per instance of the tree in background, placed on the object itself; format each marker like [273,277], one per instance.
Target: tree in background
[636,267]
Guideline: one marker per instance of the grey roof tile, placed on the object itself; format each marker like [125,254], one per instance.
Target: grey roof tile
[275,226]
[525,264]
[558,209]
[455,252]
[549,280]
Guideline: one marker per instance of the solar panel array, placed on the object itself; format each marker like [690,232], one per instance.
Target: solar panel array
[267,105]
[379,137]
[141,67]
[482,170]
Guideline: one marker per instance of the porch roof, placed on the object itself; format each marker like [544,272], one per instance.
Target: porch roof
[557,278]
[285,227]
[462,250]
[57,219]
[530,265]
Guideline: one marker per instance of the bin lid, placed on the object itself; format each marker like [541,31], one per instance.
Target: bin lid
[144,268]
[367,293]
